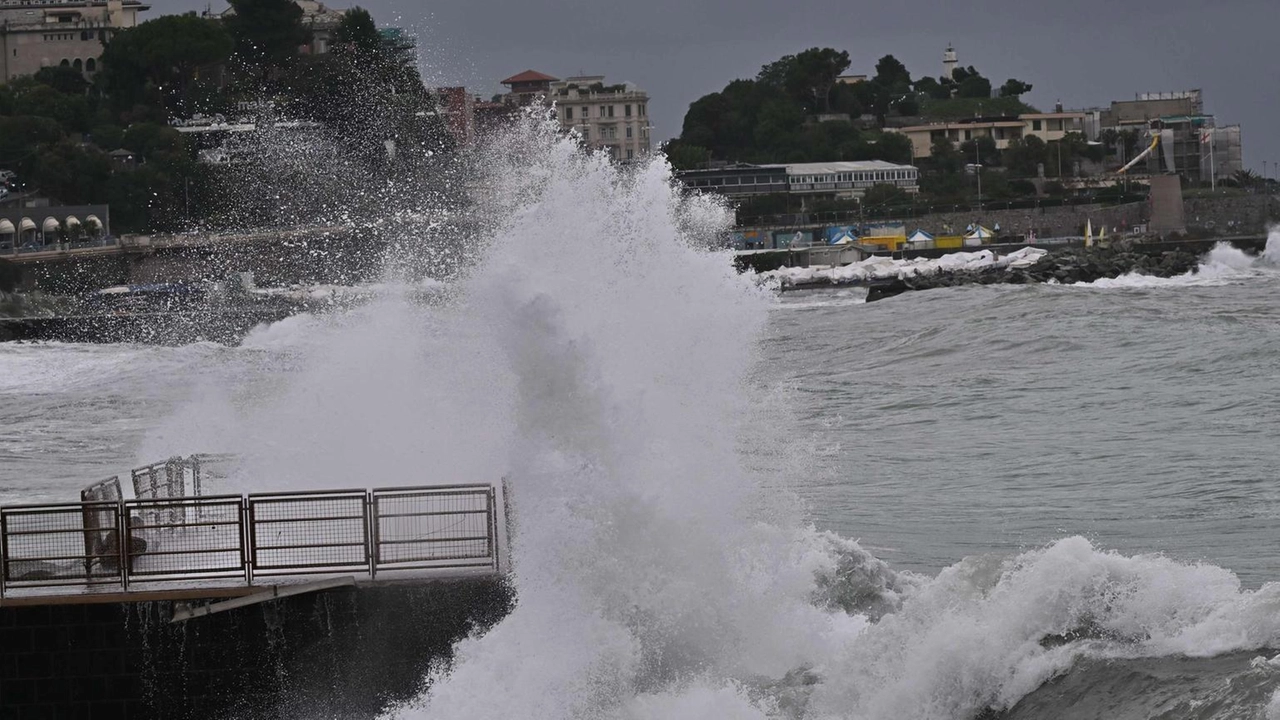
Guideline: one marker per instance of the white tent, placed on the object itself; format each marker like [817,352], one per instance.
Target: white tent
[6,228]
[978,235]
[920,238]
[51,224]
[26,225]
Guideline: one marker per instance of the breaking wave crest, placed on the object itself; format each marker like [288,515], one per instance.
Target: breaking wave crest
[662,573]
[1223,264]
[602,360]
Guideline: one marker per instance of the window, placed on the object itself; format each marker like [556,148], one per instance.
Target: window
[568,113]
[968,134]
[628,127]
[77,64]
[641,108]
[601,111]
[586,132]
[631,154]
[1035,125]
[84,35]
[626,111]
[90,65]
[610,111]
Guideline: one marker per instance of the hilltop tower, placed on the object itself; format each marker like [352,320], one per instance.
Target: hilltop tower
[949,62]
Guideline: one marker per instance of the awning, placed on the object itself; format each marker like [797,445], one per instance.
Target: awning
[72,221]
[6,228]
[26,224]
[93,221]
[51,225]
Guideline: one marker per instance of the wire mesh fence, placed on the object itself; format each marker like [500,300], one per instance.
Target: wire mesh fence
[309,532]
[51,545]
[424,527]
[186,537]
[104,540]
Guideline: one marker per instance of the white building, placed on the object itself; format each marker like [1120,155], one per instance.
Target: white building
[612,117]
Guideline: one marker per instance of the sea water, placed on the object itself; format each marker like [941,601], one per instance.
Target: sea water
[1044,501]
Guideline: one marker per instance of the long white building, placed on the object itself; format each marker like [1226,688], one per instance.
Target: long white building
[808,181]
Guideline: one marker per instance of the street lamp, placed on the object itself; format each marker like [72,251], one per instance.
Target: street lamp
[977,169]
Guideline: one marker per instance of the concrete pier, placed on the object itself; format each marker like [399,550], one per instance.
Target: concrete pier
[270,605]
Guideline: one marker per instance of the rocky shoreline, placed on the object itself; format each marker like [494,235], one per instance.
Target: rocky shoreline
[1067,266]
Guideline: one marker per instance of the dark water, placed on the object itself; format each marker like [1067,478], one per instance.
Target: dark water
[984,419]
[963,435]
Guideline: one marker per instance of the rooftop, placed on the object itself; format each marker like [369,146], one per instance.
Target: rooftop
[529,76]
[827,168]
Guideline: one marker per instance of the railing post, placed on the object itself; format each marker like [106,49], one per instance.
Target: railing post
[493,528]
[4,552]
[123,544]
[371,534]
[248,548]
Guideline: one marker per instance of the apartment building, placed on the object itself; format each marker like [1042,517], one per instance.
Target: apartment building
[1050,127]
[614,118]
[45,33]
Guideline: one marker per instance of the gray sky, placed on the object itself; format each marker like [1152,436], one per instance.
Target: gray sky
[1084,53]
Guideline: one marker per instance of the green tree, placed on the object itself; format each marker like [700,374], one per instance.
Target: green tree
[164,62]
[807,77]
[23,138]
[1024,156]
[64,79]
[974,86]
[73,174]
[267,35]
[359,32]
[685,157]
[1014,88]
[931,87]
[945,158]
[982,148]
[891,74]
[36,99]
[885,195]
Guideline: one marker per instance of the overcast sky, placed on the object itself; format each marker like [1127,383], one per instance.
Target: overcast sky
[1085,53]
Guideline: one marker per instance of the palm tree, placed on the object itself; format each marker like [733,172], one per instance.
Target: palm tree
[1246,178]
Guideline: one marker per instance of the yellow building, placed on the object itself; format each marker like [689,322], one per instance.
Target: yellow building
[1049,127]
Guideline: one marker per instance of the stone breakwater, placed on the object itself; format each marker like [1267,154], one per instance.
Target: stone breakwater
[887,276]
[1063,266]
[1073,266]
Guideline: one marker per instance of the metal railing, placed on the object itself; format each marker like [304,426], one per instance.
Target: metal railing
[231,537]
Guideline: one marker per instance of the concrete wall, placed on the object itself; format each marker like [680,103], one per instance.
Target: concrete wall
[345,653]
[1236,215]
[1046,222]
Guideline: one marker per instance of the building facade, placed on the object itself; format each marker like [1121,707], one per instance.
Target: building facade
[46,33]
[613,118]
[1049,127]
[808,182]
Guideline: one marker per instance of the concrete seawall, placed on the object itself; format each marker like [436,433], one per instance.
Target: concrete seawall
[345,652]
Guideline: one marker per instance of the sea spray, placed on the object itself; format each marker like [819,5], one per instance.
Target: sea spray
[606,363]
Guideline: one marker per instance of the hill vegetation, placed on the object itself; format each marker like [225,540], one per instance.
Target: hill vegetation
[58,128]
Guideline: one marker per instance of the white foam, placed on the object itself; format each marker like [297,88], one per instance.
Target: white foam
[1223,265]
[884,268]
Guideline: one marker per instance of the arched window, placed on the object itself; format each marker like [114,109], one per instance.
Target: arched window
[65,63]
[77,64]
[90,65]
